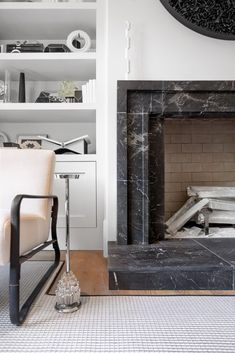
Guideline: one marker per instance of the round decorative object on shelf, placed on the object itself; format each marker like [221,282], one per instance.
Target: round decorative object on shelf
[78,41]
[211,18]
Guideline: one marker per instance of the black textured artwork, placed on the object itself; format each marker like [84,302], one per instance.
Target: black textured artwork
[213,18]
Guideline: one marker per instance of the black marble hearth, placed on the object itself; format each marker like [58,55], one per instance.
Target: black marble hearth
[187,264]
[141,258]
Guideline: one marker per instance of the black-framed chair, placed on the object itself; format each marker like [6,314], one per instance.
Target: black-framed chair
[28,211]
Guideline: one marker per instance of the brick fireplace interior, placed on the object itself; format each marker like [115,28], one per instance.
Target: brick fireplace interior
[197,152]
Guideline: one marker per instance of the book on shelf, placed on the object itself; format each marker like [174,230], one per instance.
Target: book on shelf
[78,145]
[89,92]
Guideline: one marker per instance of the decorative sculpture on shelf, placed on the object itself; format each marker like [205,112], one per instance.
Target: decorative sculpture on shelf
[46,97]
[67,91]
[78,41]
[21,98]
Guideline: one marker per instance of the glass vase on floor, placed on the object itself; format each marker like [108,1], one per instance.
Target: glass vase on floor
[68,293]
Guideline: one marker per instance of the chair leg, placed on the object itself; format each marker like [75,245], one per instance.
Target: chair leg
[14,294]
[17,315]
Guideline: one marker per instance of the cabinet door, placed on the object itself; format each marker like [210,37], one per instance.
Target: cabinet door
[82,194]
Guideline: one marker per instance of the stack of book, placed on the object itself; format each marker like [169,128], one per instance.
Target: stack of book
[89,92]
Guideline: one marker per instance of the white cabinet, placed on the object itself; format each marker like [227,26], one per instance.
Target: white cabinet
[83,209]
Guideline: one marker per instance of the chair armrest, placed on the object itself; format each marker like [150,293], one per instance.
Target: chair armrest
[16,203]
[18,199]
[15,211]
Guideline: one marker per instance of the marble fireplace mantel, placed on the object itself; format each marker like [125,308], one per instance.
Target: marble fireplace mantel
[141,258]
[143,107]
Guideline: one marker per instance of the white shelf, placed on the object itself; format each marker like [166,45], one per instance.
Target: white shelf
[16,5]
[76,158]
[49,66]
[45,20]
[47,112]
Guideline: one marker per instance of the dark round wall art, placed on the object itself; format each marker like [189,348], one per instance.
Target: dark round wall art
[212,18]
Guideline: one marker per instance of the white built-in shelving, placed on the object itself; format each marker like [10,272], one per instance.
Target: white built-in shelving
[49,22]
[47,112]
[52,22]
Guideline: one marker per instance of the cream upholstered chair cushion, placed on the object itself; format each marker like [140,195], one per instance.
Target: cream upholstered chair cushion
[33,232]
[25,172]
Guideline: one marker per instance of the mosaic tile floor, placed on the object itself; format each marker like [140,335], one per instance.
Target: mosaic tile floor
[125,325]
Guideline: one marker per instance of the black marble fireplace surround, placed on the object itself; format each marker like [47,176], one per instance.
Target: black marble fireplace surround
[141,258]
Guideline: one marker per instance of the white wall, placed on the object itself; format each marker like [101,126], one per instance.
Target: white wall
[162,49]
